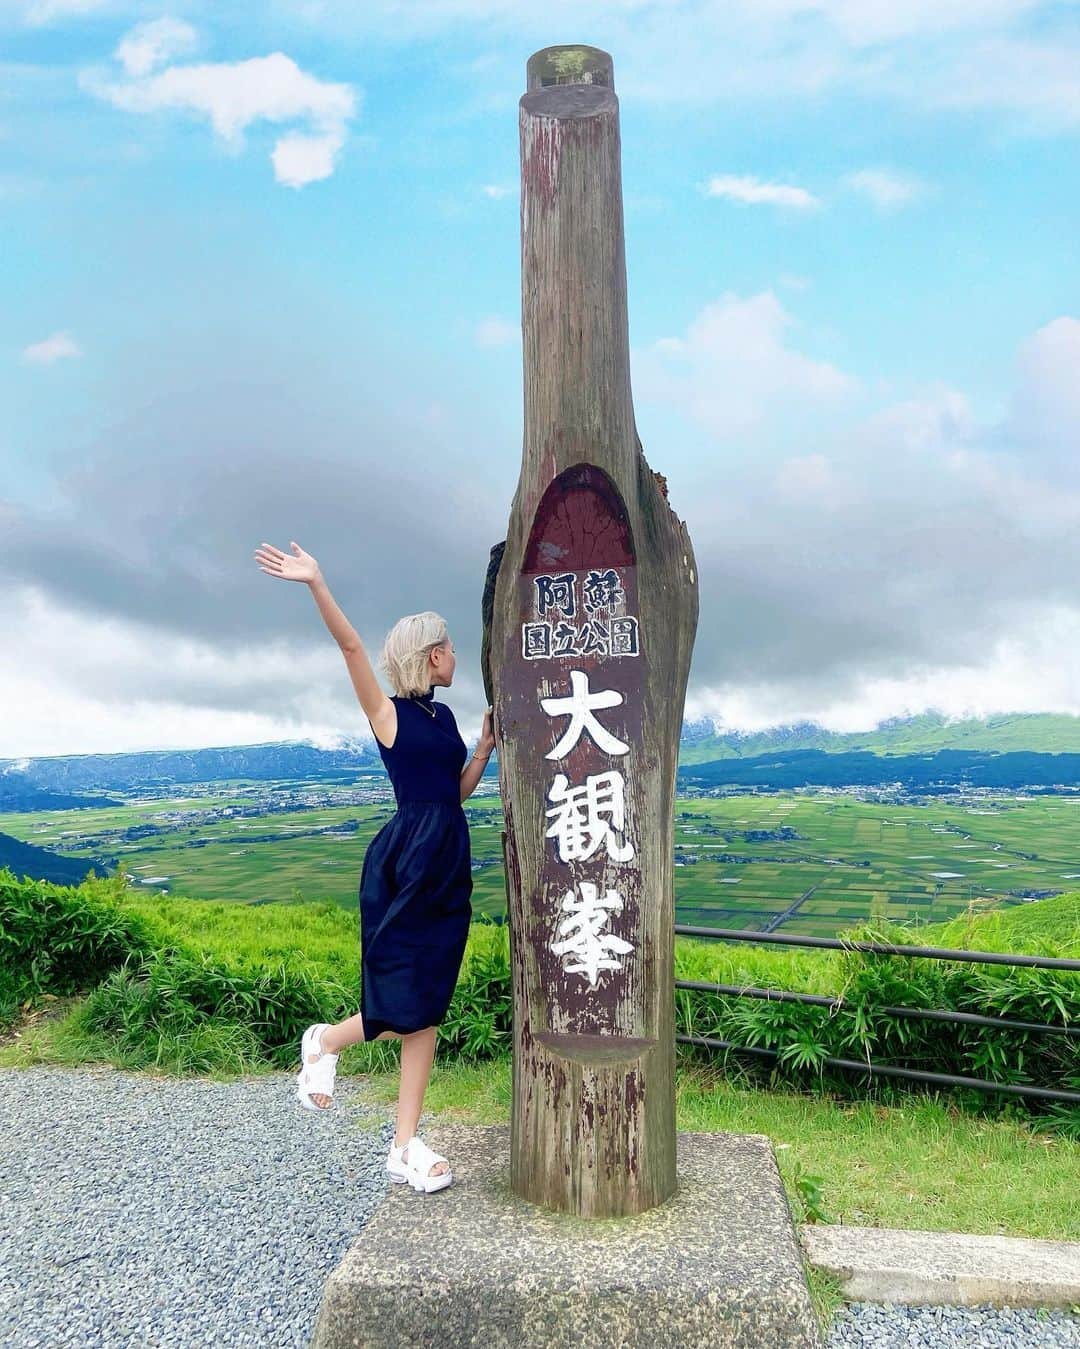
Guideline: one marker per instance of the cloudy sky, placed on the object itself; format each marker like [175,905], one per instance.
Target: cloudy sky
[259,280]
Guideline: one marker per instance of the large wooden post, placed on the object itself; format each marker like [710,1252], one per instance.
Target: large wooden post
[592,607]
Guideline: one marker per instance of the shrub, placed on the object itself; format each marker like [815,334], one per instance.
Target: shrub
[61,938]
[480,1020]
[803,1036]
[190,985]
[160,1008]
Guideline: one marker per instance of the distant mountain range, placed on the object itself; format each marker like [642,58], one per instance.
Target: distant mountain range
[940,772]
[1034,732]
[23,781]
[167,768]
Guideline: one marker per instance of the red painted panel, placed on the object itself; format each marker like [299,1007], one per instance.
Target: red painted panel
[578,678]
[580,522]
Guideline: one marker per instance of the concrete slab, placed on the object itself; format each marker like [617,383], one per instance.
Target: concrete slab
[876,1264]
[717,1265]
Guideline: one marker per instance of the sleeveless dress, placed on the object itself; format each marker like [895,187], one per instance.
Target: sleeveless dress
[416,880]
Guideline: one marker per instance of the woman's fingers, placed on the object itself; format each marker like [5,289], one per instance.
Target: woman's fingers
[272,558]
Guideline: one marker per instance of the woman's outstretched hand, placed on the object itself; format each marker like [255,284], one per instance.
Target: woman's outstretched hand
[274,562]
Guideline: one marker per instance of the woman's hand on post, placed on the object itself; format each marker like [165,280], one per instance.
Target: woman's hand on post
[274,562]
[486,743]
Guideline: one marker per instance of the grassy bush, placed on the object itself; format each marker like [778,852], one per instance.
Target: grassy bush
[803,1036]
[191,984]
[156,995]
[60,939]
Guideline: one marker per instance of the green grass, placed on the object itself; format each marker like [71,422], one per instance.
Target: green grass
[180,980]
[924,1165]
[859,859]
[1051,927]
[209,988]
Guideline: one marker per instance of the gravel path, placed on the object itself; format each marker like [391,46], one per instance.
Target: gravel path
[865,1325]
[139,1211]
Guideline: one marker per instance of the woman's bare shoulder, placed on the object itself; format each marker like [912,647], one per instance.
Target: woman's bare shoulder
[385,724]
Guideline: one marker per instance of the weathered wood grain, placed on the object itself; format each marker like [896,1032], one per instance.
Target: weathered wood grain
[593,1122]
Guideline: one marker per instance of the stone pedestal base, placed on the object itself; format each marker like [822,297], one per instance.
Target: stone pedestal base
[717,1265]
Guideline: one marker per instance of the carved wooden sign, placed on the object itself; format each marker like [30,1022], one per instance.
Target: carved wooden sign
[589,610]
[579,664]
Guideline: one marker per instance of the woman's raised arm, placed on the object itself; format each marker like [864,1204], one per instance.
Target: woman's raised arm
[380,711]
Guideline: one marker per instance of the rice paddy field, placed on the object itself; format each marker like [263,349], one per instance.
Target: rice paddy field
[808,862]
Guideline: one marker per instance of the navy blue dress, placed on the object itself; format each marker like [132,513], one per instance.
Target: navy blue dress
[417,876]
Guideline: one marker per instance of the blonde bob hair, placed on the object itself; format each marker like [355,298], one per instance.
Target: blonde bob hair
[405,651]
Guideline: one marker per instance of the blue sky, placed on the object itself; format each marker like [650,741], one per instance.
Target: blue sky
[261,280]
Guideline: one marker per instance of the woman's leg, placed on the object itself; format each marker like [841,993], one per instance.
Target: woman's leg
[338,1037]
[417,1056]
[332,1041]
[347,1032]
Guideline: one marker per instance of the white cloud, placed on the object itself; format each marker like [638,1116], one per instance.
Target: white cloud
[149,45]
[916,558]
[40,12]
[734,370]
[1045,410]
[495,191]
[58,347]
[1033,76]
[859,566]
[1035,667]
[299,159]
[813,479]
[887,190]
[95,684]
[496,332]
[998,54]
[233,96]
[87,684]
[753,192]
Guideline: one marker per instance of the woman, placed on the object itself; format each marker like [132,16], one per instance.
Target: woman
[417,873]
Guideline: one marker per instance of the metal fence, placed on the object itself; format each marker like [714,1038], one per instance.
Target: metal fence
[920,1013]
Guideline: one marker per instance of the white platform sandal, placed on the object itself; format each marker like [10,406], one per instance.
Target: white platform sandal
[417,1170]
[395,1167]
[317,1077]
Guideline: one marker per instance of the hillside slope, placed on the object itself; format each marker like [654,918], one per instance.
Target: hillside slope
[1043,732]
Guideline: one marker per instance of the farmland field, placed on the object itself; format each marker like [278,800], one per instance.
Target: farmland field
[809,862]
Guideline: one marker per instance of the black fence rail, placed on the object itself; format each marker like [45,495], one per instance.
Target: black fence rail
[922,1013]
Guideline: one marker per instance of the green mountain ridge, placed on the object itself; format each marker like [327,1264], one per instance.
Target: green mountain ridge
[1039,732]
[701,742]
